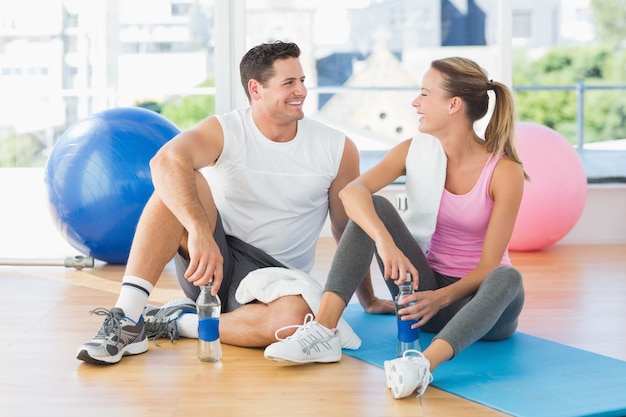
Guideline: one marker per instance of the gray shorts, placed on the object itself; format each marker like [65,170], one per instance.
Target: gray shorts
[240,258]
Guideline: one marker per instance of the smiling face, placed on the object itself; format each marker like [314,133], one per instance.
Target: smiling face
[432,104]
[282,96]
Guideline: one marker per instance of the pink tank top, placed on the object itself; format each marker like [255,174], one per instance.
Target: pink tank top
[462,222]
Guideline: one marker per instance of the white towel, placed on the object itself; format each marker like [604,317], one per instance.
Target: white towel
[426,164]
[268,284]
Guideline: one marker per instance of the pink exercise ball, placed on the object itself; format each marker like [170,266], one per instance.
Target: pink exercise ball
[555,196]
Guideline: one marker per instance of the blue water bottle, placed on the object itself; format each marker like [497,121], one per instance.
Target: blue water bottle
[408,338]
[209,306]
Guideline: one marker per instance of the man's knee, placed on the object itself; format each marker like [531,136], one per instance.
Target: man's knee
[288,312]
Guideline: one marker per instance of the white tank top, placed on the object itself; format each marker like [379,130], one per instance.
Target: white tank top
[273,195]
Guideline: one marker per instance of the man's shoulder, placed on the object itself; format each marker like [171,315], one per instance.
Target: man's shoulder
[314,126]
[235,114]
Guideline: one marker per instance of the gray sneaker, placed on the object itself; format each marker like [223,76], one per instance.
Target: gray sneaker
[117,337]
[161,321]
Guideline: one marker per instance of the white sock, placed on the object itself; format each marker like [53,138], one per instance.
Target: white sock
[188,325]
[133,296]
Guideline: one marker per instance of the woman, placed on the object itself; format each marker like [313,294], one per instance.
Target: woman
[467,289]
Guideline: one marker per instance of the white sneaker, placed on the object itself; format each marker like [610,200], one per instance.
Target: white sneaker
[408,374]
[312,342]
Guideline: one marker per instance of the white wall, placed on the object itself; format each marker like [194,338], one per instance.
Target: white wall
[27,229]
[603,219]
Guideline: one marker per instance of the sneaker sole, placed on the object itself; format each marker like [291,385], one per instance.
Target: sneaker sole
[388,377]
[294,361]
[132,349]
[396,378]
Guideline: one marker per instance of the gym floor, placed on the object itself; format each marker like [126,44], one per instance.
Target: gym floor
[574,296]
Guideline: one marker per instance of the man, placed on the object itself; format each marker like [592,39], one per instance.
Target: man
[272,178]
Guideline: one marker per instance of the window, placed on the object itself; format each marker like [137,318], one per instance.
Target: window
[522,24]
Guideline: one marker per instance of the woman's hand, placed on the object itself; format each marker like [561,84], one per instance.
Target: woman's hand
[396,264]
[428,303]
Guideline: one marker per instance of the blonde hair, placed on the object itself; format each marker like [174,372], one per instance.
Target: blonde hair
[465,79]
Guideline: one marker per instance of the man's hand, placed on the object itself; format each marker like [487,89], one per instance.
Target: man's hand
[205,261]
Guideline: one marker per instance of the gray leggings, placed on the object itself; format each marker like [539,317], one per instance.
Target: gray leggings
[490,314]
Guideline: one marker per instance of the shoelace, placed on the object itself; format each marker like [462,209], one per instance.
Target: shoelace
[158,329]
[412,352]
[308,322]
[424,382]
[111,323]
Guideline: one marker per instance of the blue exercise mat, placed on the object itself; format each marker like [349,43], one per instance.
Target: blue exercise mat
[523,376]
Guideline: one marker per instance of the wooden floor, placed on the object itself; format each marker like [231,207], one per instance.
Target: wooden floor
[575,295]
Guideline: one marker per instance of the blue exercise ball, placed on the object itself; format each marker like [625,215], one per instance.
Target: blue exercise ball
[98,178]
